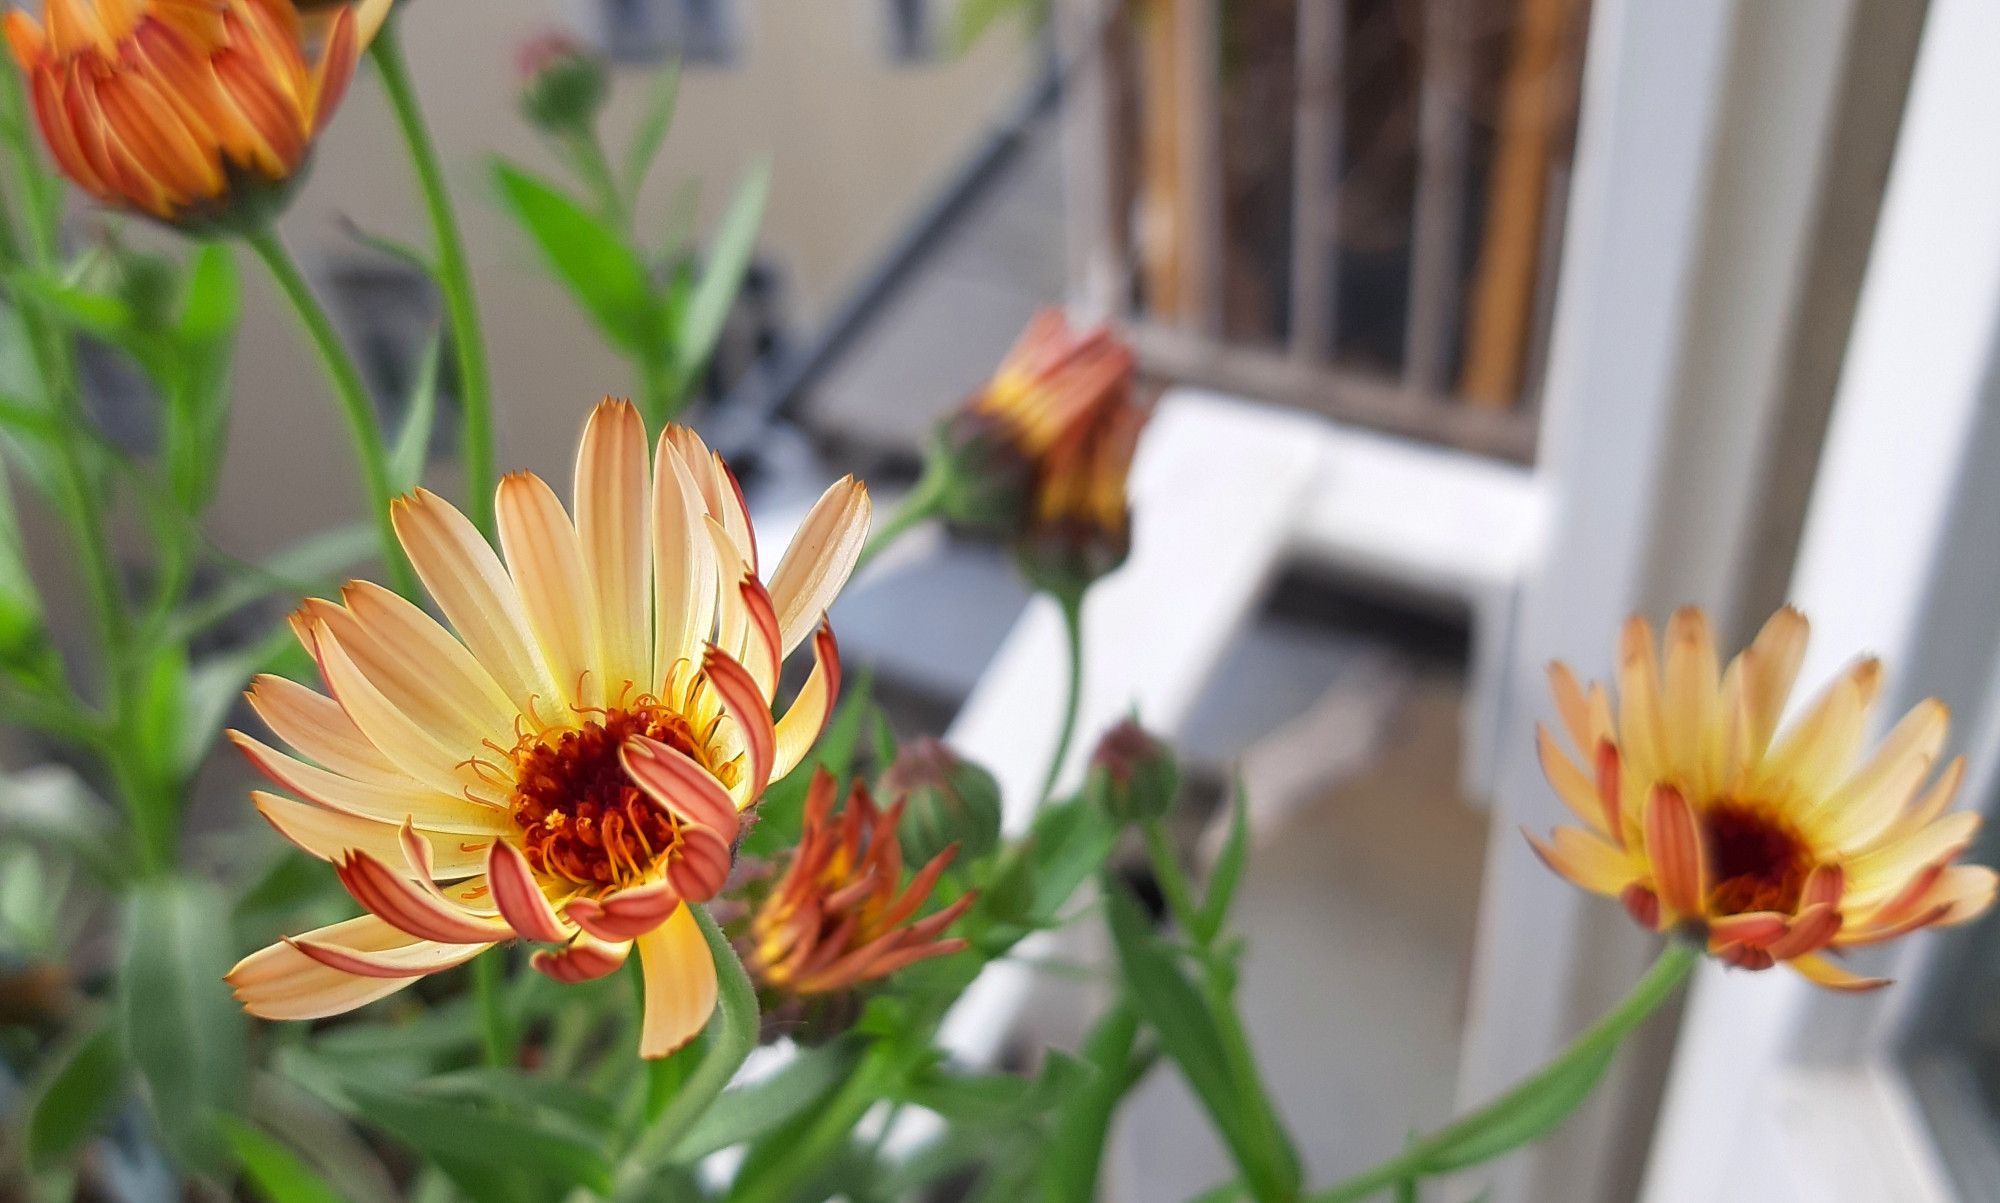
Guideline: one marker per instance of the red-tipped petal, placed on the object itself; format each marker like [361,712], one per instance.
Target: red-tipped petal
[403,904]
[1673,846]
[519,896]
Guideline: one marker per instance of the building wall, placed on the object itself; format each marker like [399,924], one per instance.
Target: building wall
[855,141]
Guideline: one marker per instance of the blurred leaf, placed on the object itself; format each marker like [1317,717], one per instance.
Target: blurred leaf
[677,233]
[211,691]
[728,258]
[198,402]
[1192,1036]
[400,251]
[182,1029]
[24,647]
[51,806]
[885,741]
[312,563]
[211,302]
[1074,1149]
[526,1138]
[652,132]
[499,1086]
[1228,1192]
[752,1110]
[588,256]
[1552,1098]
[1227,873]
[974,18]
[782,811]
[413,442]
[990,1099]
[1069,843]
[276,1174]
[86,1081]
[292,880]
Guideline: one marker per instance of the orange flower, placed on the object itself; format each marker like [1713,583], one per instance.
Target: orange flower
[187,110]
[570,768]
[1773,845]
[1054,387]
[1079,528]
[840,915]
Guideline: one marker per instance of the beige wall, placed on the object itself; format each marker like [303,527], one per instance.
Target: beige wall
[855,146]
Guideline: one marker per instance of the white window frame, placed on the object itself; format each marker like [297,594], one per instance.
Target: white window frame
[1780,1092]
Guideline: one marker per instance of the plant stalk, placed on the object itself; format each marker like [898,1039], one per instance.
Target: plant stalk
[362,427]
[1071,604]
[918,505]
[454,274]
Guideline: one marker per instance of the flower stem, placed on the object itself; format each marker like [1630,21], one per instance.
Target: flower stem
[1071,604]
[1423,1156]
[362,427]
[454,276]
[489,974]
[918,505]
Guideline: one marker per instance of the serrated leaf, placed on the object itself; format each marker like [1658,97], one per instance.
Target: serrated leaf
[275,1173]
[600,270]
[86,1082]
[652,131]
[413,442]
[182,1030]
[728,258]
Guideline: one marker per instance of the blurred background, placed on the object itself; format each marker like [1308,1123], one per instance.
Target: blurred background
[1475,325]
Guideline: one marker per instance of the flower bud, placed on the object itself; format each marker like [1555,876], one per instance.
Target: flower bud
[946,800]
[985,480]
[1133,776]
[1081,527]
[563,84]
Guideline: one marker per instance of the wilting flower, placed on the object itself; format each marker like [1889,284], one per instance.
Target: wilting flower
[197,112]
[569,769]
[1054,385]
[1772,845]
[840,914]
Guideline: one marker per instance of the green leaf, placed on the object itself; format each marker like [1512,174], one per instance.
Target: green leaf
[308,565]
[413,442]
[210,692]
[1534,1114]
[275,1172]
[1227,874]
[651,134]
[182,1029]
[197,402]
[721,276]
[86,1081]
[51,806]
[604,274]
[392,248]
[211,301]
[1074,1148]
[524,1139]
[753,1110]
[1069,843]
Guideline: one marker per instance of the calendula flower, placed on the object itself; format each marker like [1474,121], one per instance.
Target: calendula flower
[569,768]
[1054,385]
[840,914]
[1080,526]
[1772,845]
[196,112]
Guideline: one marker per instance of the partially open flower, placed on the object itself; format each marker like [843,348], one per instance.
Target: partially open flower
[196,112]
[840,915]
[570,768]
[1080,526]
[1054,384]
[1770,845]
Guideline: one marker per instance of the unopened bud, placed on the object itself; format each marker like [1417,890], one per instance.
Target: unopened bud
[946,800]
[984,480]
[563,84]
[1133,776]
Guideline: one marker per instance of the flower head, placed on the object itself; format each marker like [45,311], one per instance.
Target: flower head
[1772,845]
[1080,527]
[1053,386]
[570,767]
[840,914]
[196,112]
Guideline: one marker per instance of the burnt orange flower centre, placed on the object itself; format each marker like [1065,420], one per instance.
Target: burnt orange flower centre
[581,817]
[1757,860]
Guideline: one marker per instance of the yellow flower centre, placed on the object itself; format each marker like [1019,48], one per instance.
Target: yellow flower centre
[582,819]
[1757,861]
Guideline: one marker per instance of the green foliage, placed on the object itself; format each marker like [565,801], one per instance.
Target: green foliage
[182,1030]
[780,815]
[755,1109]
[591,259]
[700,321]
[274,1172]
[83,1081]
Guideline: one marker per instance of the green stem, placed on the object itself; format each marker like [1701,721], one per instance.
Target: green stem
[1675,962]
[659,400]
[362,427]
[489,980]
[1173,881]
[918,505]
[587,153]
[1072,613]
[461,304]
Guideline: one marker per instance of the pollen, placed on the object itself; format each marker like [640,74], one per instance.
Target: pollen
[582,819]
